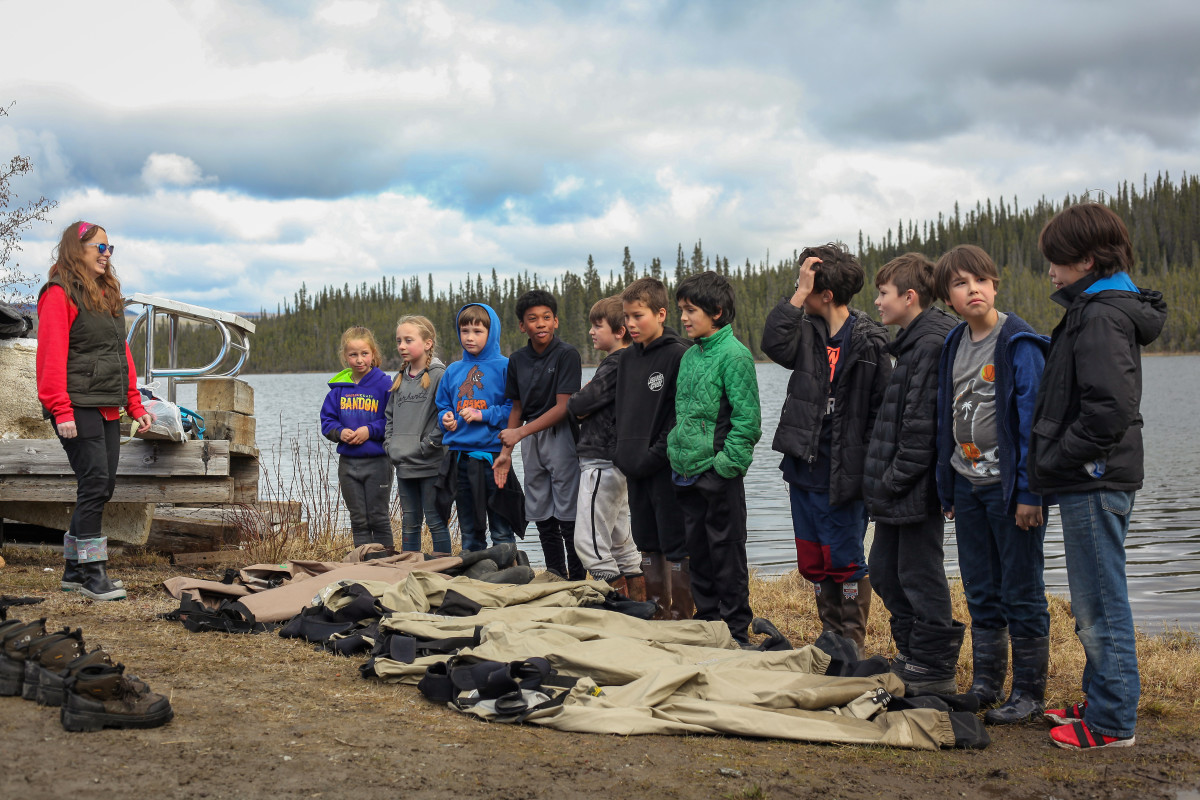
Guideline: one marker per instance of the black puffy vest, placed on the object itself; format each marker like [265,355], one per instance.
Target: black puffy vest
[97,369]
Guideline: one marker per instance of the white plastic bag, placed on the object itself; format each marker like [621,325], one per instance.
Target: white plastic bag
[168,422]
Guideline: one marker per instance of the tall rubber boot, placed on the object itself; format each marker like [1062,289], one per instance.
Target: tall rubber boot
[989,665]
[637,587]
[658,591]
[72,579]
[1031,662]
[933,662]
[855,599]
[93,562]
[682,605]
[828,594]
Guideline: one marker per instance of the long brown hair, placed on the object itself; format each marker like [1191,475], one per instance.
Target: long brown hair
[102,293]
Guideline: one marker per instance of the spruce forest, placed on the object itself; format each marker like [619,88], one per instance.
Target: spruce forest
[302,335]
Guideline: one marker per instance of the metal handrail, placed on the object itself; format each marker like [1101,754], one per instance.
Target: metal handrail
[234,330]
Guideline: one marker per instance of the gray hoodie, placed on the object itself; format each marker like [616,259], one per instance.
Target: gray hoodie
[412,437]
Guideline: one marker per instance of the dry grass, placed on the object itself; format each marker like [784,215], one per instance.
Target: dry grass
[1168,662]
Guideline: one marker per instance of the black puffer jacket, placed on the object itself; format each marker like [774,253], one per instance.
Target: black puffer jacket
[595,407]
[899,484]
[795,340]
[1087,428]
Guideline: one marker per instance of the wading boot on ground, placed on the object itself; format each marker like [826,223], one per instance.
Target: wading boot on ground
[103,697]
[12,654]
[989,665]
[50,652]
[682,605]
[1030,661]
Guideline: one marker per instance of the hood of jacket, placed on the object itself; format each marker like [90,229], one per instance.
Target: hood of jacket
[491,348]
[369,382]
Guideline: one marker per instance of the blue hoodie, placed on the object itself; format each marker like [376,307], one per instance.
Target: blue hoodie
[352,405]
[476,382]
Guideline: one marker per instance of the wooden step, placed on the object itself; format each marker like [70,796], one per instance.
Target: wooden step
[208,458]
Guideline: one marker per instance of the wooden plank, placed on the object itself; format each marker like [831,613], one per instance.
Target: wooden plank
[211,557]
[243,450]
[138,457]
[61,489]
[219,524]
[237,428]
[224,394]
[124,522]
[245,474]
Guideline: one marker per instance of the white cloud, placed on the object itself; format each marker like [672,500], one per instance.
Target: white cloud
[170,169]
[349,12]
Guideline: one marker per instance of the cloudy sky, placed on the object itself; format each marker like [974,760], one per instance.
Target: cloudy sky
[235,149]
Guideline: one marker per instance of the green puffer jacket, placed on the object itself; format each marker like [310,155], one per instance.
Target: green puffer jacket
[717,416]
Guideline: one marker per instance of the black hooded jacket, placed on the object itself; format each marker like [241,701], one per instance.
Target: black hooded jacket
[1087,430]
[793,339]
[646,403]
[899,483]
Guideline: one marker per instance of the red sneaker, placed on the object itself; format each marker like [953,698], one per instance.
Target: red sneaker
[1065,716]
[1078,736]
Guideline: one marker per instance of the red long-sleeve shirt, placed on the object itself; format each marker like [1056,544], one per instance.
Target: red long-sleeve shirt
[56,314]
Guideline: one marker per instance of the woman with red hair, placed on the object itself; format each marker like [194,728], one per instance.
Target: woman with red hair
[85,374]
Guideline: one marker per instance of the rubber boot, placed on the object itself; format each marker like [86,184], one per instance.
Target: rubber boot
[989,665]
[855,599]
[931,667]
[637,587]
[658,591]
[93,562]
[901,633]
[682,606]
[620,584]
[828,594]
[72,579]
[1031,662]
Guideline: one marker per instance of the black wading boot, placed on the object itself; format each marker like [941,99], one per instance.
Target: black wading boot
[989,665]
[103,697]
[933,662]
[73,576]
[1031,661]
[93,563]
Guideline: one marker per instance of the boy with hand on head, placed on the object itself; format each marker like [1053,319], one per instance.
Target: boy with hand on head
[603,540]
[840,368]
[717,423]
[645,415]
[472,411]
[1087,447]
[541,378]
[988,378]
[899,486]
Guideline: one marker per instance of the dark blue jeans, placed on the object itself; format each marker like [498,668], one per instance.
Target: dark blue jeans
[464,501]
[1094,529]
[1001,565]
[418,499]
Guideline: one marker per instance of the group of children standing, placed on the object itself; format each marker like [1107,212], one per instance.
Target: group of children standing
[637,477]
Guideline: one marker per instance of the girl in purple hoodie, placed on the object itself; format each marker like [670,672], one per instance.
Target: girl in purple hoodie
[353,417]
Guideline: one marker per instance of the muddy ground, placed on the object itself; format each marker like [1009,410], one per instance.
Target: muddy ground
[259,716]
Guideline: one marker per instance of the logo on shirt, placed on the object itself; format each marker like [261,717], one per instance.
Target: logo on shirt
[655,382]
[359,403]
[466,391]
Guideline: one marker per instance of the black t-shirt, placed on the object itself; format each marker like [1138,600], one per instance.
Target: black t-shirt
[814,476]
[537,380]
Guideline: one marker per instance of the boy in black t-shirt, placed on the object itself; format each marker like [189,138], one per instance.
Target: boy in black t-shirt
[840,369]
[542,376]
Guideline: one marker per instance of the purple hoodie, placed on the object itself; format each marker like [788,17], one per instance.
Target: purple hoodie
[352,405]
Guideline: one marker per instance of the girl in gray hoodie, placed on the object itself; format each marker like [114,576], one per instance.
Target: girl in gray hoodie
[412,437]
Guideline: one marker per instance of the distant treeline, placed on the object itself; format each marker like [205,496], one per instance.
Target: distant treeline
[1163,218]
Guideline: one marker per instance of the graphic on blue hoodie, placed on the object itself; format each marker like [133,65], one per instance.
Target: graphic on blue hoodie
[477,381]
[353,405]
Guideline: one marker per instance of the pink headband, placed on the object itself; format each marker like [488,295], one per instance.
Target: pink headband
[83,228]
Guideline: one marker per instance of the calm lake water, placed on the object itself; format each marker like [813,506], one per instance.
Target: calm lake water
[1164,538]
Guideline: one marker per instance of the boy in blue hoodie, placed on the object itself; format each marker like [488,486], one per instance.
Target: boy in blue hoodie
[988,378]
[472,410]
[353,417]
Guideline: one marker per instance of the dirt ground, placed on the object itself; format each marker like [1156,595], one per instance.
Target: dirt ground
[260,716]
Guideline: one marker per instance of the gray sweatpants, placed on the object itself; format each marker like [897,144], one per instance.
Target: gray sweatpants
[551,474]
[602,538]
[367,489]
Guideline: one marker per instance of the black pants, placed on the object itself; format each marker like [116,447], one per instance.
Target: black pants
[654,517]
[714,519]
[93,456]
[366,485]
[558,547]
[908,574]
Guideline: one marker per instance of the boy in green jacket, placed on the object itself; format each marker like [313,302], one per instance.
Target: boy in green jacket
[717,423]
